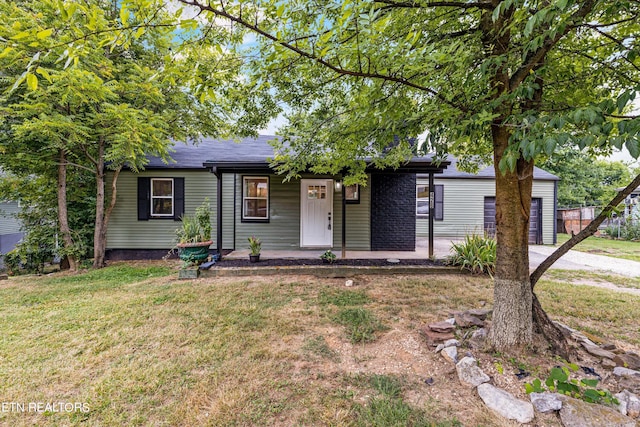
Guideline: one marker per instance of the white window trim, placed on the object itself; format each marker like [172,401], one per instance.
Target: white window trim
[172,197]
[422,215]
[245,197]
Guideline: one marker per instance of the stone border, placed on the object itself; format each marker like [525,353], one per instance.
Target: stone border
[329,271]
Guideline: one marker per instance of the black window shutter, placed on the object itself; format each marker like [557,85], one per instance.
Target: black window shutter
[144,192]
[439,202]
[178,198]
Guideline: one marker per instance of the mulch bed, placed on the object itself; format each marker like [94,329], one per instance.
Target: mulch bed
[310,262]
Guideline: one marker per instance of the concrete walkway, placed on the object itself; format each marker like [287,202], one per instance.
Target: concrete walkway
[573,260]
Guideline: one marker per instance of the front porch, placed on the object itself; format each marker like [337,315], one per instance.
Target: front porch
[441,249]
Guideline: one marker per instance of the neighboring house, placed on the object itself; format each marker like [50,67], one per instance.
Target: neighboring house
[247,198]
[464,203]
[10,233]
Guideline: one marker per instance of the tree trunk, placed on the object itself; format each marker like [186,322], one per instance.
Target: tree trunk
[63,217]
[512,326]
[100,233]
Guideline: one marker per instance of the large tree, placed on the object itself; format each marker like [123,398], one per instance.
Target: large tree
[100,85]
[515,79]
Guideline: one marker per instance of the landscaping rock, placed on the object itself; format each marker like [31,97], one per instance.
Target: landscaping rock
[597,351]
[4,276]
[546,402]
[577,413]
[566,330]
[466,320]
[629,404]
[628,360]
[505,404]
[626,372]
[452,343]
[442,327]
[609,346]
[434,338]
[450,354]
[608,364]
[480,313]
[348,283]
[478,338]
[469,373]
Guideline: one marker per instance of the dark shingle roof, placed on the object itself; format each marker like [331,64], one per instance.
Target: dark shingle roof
[488,172]
[192,156]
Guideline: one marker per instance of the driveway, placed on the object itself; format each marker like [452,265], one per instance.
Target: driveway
[574,260]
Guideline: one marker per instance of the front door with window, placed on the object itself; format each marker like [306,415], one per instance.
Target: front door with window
[316,213]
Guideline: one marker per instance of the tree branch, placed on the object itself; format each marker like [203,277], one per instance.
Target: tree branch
[588,231]
[377,76]
[537,56]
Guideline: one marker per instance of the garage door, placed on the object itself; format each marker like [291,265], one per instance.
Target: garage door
[535,222]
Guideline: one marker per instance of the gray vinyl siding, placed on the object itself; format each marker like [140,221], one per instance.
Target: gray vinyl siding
[358,231]
[463,209]
[283,229]
[126,232]
[8,223]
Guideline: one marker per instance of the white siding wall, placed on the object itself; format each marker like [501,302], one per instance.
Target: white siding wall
[8,223]
[464,207]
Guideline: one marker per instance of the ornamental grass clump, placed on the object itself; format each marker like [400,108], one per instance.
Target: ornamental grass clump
[476,254]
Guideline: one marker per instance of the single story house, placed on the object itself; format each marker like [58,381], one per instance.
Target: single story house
[247,198]
[464,203]
[10,233]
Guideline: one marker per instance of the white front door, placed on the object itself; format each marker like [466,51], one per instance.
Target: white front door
[316,213]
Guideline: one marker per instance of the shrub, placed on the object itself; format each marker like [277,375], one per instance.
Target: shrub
[476,253]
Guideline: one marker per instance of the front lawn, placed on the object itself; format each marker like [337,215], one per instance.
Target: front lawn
[139,347]
[604,246]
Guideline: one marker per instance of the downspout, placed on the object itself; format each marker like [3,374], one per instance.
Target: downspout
[555,212]
[218,175]
[344,222]
[432,205]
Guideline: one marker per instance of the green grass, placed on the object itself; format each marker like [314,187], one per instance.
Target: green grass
[142,348]
[603,246]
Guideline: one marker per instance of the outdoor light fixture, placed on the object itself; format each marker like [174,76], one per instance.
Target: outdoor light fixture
[338,185]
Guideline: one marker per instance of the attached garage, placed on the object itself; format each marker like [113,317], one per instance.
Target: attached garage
[535,221]
[464,204]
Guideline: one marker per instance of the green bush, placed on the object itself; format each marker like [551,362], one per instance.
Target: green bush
[476,254]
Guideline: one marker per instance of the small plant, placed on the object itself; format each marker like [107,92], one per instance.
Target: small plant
[476,254]
[196,228]
[560,381]
[254,245]
[328,256]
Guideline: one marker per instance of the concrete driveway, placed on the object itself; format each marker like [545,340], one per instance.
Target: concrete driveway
[574,260]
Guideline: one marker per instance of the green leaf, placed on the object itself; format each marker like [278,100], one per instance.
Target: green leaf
[44,73]
[21,35]
[632,146]
[32,81]
[44,33]
[558,374]
[589,382]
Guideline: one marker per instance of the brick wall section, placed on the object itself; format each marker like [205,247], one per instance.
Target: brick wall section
[393,212]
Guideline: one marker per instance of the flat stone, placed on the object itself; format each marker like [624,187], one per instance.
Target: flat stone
[466,320]
[452,343]
[4,276]
[505,404]
[451,321]
[578,413]
[608,364]
[393,260]
[450,354]
[480,313]
[625,372]
[628,360]
[434,338]
[469,373]
[546,402]
[566,330]
[441,327]
[597,351]
[629,404]
[609,346]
